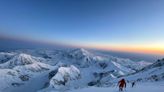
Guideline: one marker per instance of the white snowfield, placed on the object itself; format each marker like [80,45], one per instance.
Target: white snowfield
[141,87]
[76,70]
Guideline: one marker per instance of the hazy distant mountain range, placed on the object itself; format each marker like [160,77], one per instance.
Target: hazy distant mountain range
[44,70]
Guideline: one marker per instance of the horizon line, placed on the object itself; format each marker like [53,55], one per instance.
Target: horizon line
[129,49]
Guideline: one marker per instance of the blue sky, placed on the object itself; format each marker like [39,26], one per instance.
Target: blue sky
[92,23]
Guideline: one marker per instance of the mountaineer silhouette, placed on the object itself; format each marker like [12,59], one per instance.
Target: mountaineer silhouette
[122,84]
[133,84]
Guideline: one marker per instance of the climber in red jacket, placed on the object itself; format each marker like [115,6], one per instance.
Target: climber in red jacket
[121,84]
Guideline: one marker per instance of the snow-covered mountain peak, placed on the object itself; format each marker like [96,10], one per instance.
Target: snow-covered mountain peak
[64,76]
[80,52]
[20,59]
[80,57]
[70,70]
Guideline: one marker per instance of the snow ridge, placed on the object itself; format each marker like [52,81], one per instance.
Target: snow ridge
[62,70]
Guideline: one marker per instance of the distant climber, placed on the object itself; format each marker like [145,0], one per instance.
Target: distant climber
[122,84]
[133,84]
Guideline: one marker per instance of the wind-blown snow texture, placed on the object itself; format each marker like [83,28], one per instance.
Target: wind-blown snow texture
[74,70]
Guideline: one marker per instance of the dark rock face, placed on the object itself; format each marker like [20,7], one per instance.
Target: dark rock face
[45,56]
[92,83]
[102,74]
[154,77]
[57,82]
[24,77]
[5,57]
[11,73]
[17,84]
[159,63]
[52,73]
[5,60]
[46,84]
[103,65]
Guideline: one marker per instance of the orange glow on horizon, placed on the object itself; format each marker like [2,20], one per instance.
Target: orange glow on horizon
[140,50]
[137,49]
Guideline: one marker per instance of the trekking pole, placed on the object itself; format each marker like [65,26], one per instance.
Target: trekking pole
[125,89]
[116,87]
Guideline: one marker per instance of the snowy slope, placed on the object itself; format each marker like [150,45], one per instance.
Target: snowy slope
[153,72]
[64,70]
[9,78]
[19,71]
[144,63]
[95,70]
[142,87]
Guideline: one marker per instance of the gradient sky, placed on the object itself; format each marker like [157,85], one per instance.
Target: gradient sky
[122,25]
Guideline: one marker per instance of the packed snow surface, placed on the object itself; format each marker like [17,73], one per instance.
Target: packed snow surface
[141,87]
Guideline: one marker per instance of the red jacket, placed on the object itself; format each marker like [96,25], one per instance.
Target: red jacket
[122,83]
